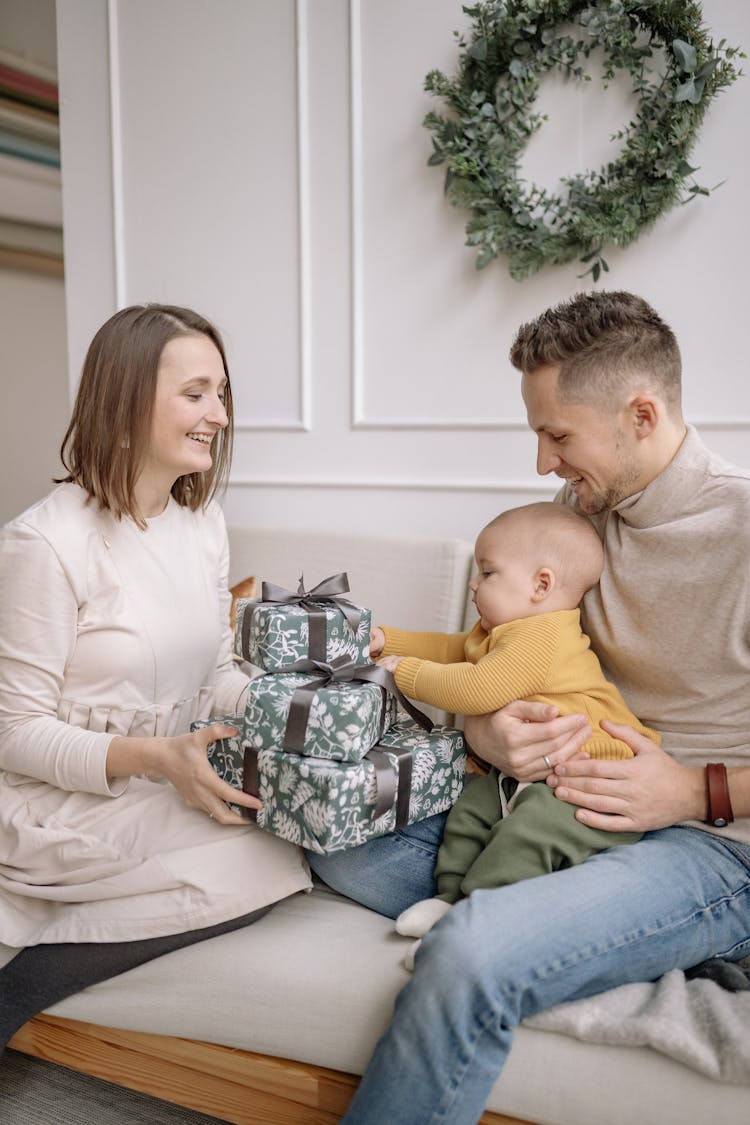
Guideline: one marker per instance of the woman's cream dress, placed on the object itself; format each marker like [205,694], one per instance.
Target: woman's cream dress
[106,629]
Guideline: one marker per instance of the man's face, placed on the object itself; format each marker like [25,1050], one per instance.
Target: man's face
[596,453]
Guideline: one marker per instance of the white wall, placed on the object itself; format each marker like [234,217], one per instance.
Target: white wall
[265,162]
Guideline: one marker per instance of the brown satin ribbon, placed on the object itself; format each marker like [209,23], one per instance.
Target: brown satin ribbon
[391,781]
[328,591]
[341,670]
[250,779]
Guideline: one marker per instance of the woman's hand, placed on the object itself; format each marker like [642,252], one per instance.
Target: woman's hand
[377,641]
[637,794]
[391,663]
[183,760]
[526,740]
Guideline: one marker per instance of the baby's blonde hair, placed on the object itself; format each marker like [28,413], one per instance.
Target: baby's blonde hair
[555,536]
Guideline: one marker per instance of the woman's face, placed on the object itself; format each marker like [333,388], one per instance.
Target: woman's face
[187,415]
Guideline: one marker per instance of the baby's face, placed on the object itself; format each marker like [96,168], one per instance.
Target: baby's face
[504,582]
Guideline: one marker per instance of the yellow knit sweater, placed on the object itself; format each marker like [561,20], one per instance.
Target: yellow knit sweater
[544,659]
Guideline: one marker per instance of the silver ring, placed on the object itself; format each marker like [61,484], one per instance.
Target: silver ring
[210,816]
[547,762]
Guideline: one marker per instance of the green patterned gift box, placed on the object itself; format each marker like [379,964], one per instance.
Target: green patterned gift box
[328,806]
[226,754]
[338,722]
[281,628]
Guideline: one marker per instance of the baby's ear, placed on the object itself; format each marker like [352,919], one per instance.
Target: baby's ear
[544,584]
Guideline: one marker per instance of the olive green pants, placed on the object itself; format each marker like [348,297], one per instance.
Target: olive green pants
[483,849]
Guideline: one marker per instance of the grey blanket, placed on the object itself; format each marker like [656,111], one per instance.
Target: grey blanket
[696,1022]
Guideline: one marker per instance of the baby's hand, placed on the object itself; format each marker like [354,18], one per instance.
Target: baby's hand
[391,663]
[377,640]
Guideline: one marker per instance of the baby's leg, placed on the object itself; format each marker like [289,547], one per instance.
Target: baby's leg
[540,835]
[467,828]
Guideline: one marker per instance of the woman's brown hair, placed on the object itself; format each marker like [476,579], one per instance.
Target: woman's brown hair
[107,439]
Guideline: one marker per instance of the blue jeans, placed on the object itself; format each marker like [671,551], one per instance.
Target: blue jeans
[390,873]
[672,900]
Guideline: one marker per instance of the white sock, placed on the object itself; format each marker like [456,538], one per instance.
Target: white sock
[408,961]
[421,917]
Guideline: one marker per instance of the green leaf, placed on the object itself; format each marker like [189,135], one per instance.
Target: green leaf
[686,92]
[478,50]
[484,257]
[436,158]
[686,55]
[691,91]
[707,69]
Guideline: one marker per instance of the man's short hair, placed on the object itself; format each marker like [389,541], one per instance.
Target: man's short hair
[604,343]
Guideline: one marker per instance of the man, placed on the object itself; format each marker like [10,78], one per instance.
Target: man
[608,419]
[670,622]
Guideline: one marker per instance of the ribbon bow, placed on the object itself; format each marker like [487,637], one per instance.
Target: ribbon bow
[328,591]
[340,670]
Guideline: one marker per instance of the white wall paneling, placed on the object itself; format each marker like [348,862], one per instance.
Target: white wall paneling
[211,119]
[265,162]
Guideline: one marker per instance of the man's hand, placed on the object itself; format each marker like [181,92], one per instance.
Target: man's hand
[638,794]
[526,740]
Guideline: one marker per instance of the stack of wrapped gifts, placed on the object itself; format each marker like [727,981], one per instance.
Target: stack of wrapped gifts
[327,741]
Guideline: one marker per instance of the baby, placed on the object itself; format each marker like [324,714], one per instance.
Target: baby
[534,564]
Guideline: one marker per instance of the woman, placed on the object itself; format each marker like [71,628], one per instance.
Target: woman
[114,638]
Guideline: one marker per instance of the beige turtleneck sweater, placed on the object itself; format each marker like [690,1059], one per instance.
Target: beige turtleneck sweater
[670,618]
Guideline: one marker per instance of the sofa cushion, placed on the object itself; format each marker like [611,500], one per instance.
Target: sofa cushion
[315,980]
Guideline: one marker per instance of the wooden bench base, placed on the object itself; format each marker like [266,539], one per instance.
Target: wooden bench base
[233,1085]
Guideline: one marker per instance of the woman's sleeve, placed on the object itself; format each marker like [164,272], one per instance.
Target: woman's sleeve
[231,682]
[38,624]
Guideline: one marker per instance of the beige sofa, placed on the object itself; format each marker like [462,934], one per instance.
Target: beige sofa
[273,1024]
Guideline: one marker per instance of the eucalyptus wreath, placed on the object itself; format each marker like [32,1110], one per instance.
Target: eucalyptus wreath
[675,70]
